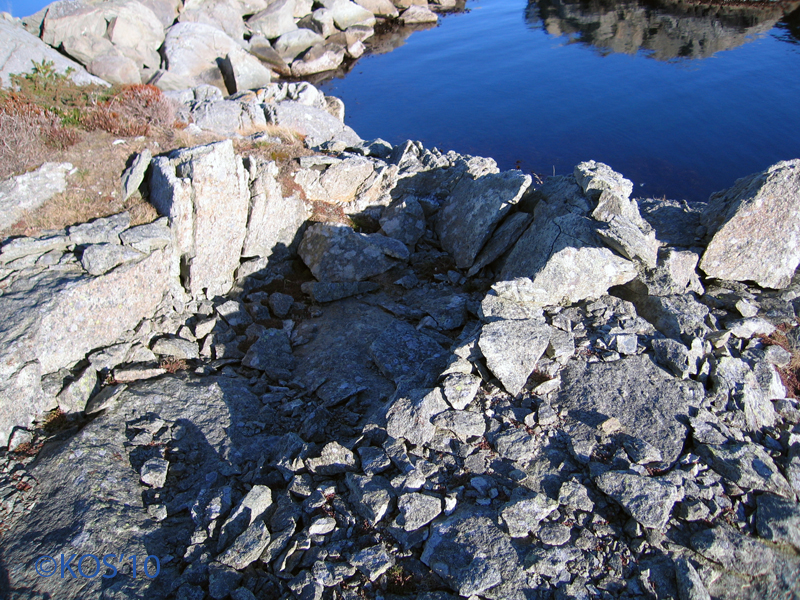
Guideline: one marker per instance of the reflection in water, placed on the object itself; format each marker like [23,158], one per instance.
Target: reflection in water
[664,31]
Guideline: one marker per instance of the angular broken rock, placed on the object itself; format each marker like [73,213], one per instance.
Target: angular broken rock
[402,352]
[470,552]
[512,349]
[101,258]
[463,423]
[473,210]
[134,175]
[690,586]
[756,227]
[648,500]
[371,496]
[339,253]
[748,466]
[418,510]
[247,547]
[373,562]
[778,520]
[154,472]
[30,190]
[460,389]
[409,416]
[272,354]
[252,506]
[648,402]
[523,514]
[733,550]
[334,460]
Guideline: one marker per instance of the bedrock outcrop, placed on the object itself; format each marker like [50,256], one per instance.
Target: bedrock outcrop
[561,404]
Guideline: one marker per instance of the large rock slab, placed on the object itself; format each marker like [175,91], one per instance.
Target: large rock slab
[204,193]
[198,53]
[314,124]
[53,319]
[276,19]
[346,14]
[338,253]
[649,403]
[88,31]
[19,50]
[473,210]
[512,348]
[756,228]
[30,190]
[470,552]
[91,503]
[273,222]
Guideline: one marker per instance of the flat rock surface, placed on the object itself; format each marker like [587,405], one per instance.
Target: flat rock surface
[648,402]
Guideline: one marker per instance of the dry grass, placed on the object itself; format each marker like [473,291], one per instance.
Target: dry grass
[790,375]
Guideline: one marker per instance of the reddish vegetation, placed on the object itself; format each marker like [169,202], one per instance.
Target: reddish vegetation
[790,375]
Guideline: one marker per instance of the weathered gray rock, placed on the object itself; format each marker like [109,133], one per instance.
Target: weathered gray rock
[470,552]
[460,389]
[133,176]
[756,228]
[676,222]
[649,500]
[275,20]
[404,220]
[102,500]
[524,513]
[373,562]
[347,14]
[574,495]
[228,118]
[176,347]
[154,472]
[73,398]
[515,445]
[251,508]
[647,401]
[678,317]
[105,230]
[464,424]
[403,353]
[88,31]
[222,14]
[512,348]
[272,354]
[778,520]
[733,377]
[674,274]
[334,460]
[415,15]
[20,50]
[197,53]
[338,253]
[204,193]
[247,547]
[678,358]
[53,319]
[559,259]
[321,57]
[30,190]
[409,416]
[293,43]
[315,124]
[624,236]
[609,189]
[506,234]
[371,496]
[690,585]
[734,551]
[148,237]
[473,210]
[274,221]
[101,258]
[748,466]
[379,8]
[338,183]
[418,510]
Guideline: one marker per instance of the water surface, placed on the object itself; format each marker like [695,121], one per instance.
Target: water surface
[681,100]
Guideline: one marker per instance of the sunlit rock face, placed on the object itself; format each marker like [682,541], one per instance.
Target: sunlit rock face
[665,31]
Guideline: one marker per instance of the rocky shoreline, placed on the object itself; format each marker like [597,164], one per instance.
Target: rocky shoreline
[459,384]
[365,370]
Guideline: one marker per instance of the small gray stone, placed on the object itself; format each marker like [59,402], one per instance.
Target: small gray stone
[734,551]
[280,304]
[304,587]
[100,231]
[575,496]
[553,534]
[512,348]
[154,472]
[222,581]
[272,354]
[373,562]
[648,500]
[133,176]
[334,460]
[234,314]
[418,510]
[148,237]
[322,526]
[373,460]
[464,424]
[252,506]
[460,389]
[523,514]
[690,586]
[247,547]
[176,347]
[372,496]
[98,259]
[409,416]
[157,512]
[748,466]
[75,396]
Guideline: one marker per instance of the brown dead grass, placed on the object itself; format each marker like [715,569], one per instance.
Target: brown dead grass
[790,375]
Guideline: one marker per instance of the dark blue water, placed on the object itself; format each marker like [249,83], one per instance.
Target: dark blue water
[682,104]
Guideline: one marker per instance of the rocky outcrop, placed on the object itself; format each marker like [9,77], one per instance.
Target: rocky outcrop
[274,408]
[756,236]
[30,190]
